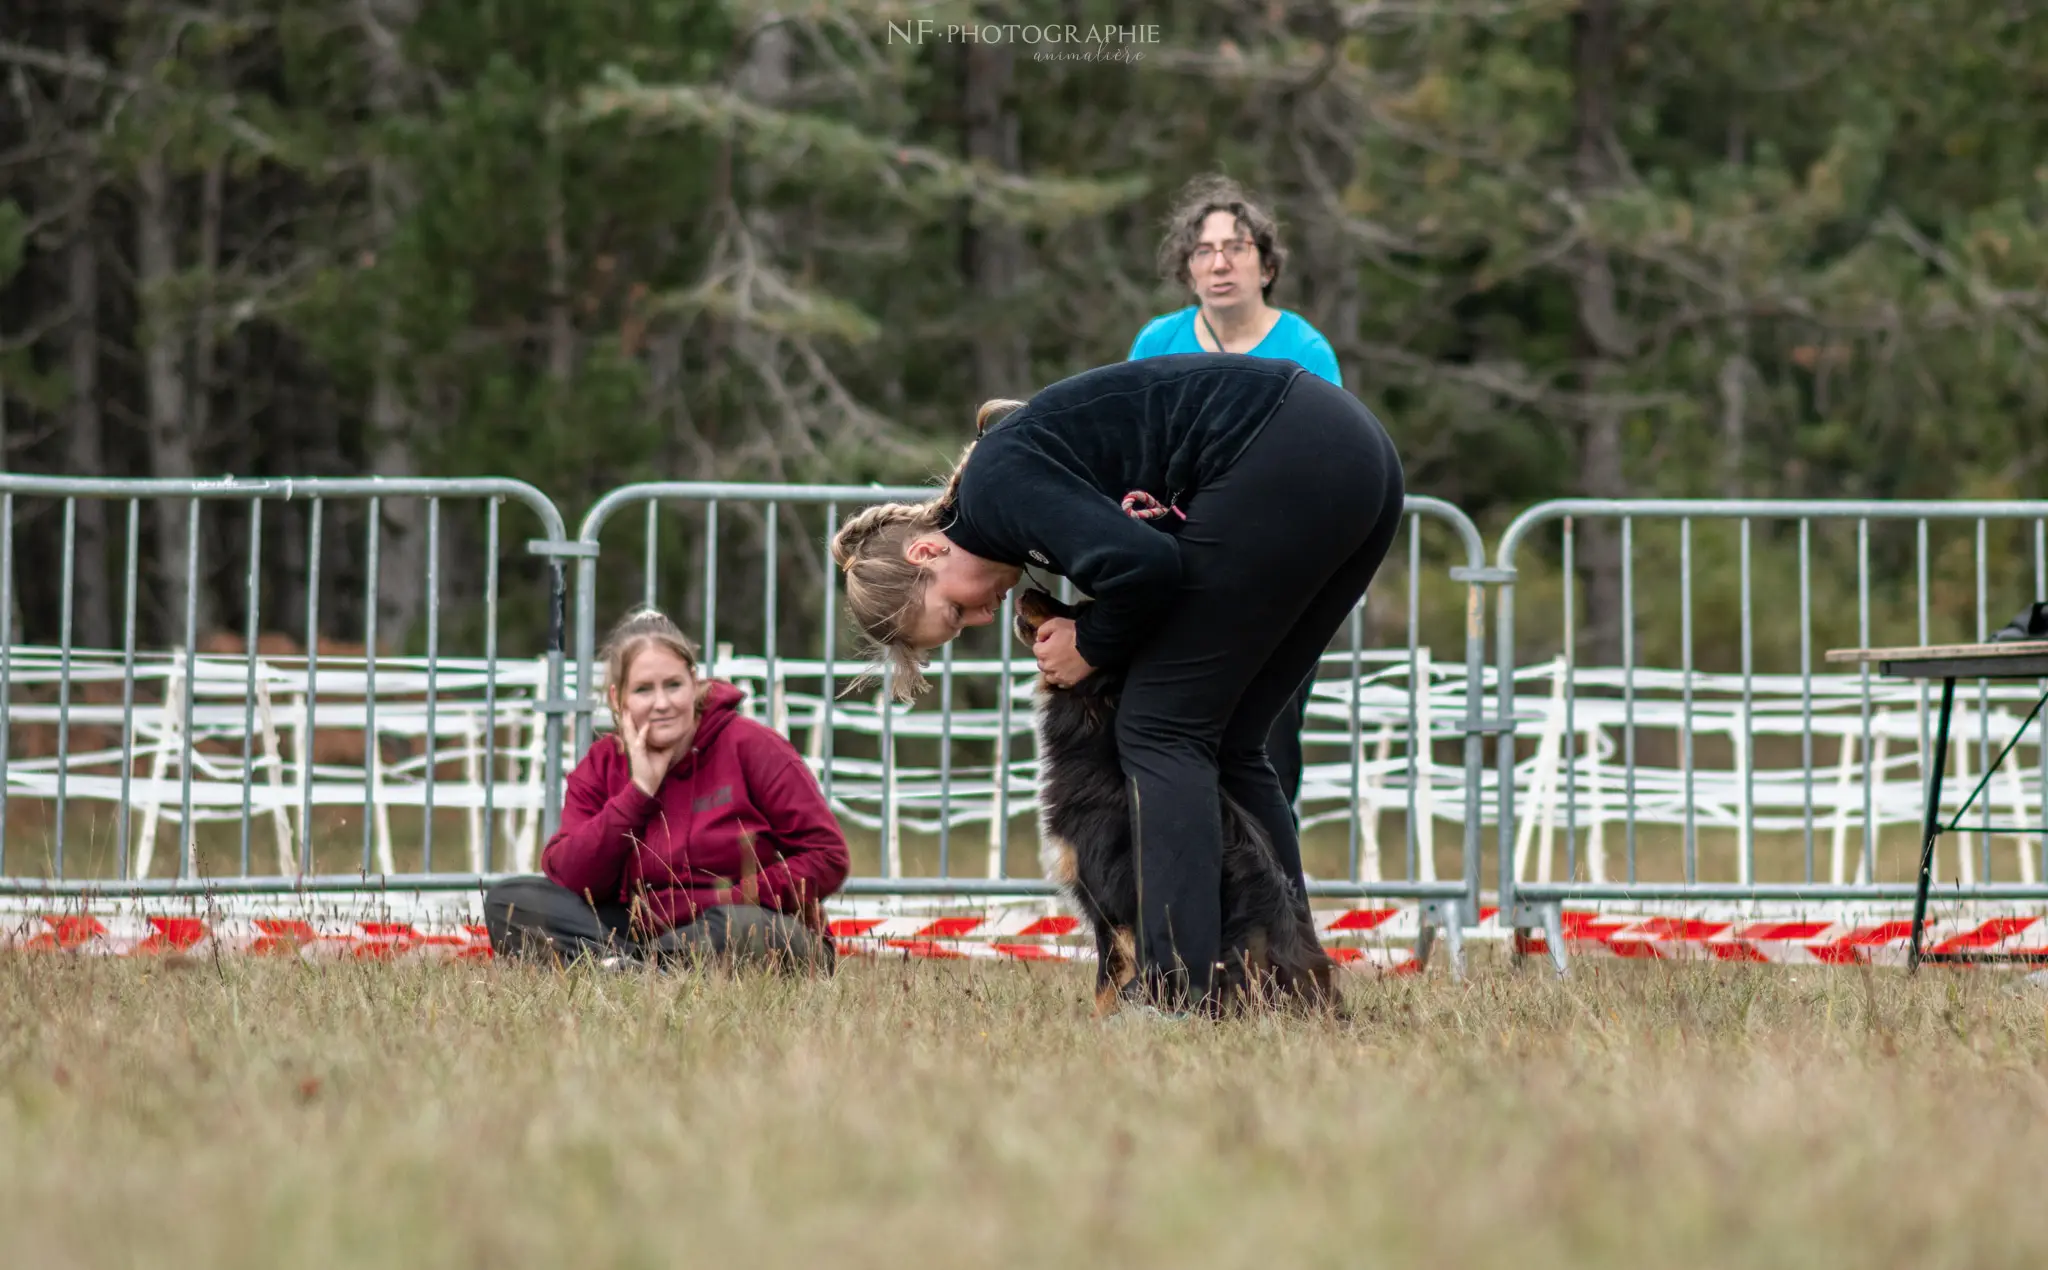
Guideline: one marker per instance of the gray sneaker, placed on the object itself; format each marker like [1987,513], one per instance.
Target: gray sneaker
[1135,1011]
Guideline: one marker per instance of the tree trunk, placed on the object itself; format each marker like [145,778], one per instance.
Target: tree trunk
[995,253]
[667,400]
[204,345]
[170,437]
[205,375]
[740,345]
[84,443]
[1599,541]
[766,78]
[1603,339]
[1732,385]
[85,440]
[11,621]
[561,316]
[1344,296]
[402,562]
[561,321]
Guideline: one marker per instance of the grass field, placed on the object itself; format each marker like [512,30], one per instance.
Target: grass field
[255,1112]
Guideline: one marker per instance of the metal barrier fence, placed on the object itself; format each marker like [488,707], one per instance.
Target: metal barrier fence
[859,747]
[180,714]
[1746,710]
[1711,760]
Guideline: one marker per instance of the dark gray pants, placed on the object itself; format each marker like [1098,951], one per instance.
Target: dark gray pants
[531,917]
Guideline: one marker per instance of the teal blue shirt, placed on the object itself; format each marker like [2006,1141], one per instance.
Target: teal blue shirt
[1291,339]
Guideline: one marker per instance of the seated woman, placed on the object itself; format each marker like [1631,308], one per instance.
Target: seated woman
[690,832]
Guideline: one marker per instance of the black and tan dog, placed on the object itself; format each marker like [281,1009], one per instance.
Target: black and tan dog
[1271,954]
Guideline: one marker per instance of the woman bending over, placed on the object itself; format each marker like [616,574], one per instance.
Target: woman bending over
[1225,513]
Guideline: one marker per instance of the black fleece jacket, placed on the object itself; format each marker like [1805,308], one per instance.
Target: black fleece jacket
[1045,485]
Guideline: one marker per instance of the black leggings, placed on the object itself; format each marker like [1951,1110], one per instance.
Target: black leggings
[1283,743]
[531,917]
[1274,555]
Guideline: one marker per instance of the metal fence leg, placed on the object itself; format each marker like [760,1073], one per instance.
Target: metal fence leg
[1449,917]
[1454,935]
[1548,917]
[1553,931]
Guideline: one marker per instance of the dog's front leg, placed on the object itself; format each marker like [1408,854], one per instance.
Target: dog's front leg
[1116,964]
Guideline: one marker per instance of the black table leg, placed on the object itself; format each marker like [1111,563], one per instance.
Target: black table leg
[1932,826]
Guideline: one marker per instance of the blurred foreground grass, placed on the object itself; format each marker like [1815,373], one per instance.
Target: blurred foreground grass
[256,1112]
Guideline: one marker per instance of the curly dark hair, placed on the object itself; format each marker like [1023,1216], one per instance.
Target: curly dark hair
[1215,193]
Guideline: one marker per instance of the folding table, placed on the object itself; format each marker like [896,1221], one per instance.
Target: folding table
[2020,659]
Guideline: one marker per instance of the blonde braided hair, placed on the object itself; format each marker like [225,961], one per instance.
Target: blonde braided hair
[884,589]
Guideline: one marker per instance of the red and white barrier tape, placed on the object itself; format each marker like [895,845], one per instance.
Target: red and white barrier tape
[1798,943]
[451,927]
[142,933]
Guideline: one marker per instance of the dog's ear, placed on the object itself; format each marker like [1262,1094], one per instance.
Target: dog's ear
[1034,606]
[1025,627]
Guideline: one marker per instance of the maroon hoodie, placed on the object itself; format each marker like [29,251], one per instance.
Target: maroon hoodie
[683,848]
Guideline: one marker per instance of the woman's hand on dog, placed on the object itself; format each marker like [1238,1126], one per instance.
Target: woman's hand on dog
[1058,660]
[648,765]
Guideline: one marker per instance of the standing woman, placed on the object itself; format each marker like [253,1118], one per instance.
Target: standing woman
[1225,513]
[1224,248]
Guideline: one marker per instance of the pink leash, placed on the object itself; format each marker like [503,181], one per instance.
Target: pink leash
[1139,505]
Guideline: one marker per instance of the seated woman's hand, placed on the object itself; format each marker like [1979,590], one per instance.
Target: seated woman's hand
[1058,659]
[647,763]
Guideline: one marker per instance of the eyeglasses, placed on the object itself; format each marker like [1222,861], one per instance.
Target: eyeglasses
[1232,251]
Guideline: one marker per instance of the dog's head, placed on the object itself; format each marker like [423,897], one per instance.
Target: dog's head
[1034,607]
[1075,713]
